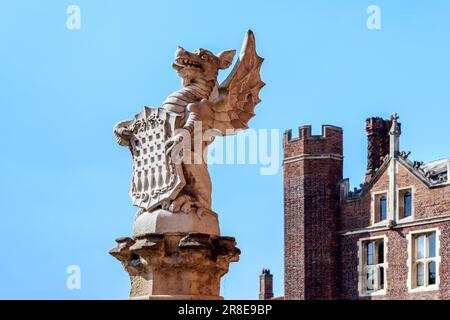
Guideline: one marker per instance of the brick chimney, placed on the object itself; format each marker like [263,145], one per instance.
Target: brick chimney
[265,285]
[377,144]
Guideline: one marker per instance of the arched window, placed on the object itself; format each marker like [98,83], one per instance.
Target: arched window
[407,204]
[383,208]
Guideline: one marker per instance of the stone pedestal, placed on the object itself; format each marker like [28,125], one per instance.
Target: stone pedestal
[164,264]
[164,221]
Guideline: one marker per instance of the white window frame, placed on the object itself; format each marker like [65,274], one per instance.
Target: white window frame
[412,189]
[373,205]
[361,266]
[412,261]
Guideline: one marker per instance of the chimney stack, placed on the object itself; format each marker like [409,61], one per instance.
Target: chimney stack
[377,144]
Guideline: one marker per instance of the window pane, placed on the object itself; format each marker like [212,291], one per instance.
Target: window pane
[383,208]
[432,245]
[369,279]
[420,274]
[380,251]
[407,205]
[370,253]
[432,273]
[420,247]
[381,278]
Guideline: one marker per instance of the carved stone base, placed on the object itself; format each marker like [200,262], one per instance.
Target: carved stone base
[176,265]
[163,221]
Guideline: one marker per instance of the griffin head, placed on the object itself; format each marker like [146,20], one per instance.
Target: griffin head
[200,64]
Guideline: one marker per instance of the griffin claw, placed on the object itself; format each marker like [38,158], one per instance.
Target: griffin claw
[185,204]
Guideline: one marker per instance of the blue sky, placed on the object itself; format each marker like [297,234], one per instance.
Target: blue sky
[64,181]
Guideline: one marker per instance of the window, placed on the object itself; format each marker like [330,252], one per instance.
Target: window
[380,207]
[373,275]
[383,208]
[424,260]
[405,203]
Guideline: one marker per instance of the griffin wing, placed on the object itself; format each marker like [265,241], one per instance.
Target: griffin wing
[237,97]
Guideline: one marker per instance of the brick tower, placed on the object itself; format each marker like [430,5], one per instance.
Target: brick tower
[312,170]
[265,285]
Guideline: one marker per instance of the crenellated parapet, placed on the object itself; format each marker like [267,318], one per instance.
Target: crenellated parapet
[329,142]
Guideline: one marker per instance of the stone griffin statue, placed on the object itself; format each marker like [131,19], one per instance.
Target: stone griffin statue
[176,251]
[222,108]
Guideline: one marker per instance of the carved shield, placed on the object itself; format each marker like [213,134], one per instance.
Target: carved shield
[155,177]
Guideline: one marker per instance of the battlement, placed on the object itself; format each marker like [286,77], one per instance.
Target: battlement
[329,142]
[377,123]
[305,132]
[265,271]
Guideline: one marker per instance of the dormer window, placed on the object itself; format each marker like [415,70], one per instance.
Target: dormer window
[405,201]
[379,207]
[407,205]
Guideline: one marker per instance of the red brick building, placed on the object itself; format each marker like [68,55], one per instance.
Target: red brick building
[390,239]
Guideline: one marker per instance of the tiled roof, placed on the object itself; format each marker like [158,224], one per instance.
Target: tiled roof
[436,170]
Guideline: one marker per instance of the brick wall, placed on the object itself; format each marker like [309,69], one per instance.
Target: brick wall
[428,202]
[397,271]
[355,214]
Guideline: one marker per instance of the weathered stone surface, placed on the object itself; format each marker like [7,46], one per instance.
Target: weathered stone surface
[169,171]
[176,265]
[164,221]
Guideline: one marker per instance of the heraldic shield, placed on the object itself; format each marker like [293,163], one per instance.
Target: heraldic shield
[156,178]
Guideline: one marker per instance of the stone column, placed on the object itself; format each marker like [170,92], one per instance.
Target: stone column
[394,151]
[176,256]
